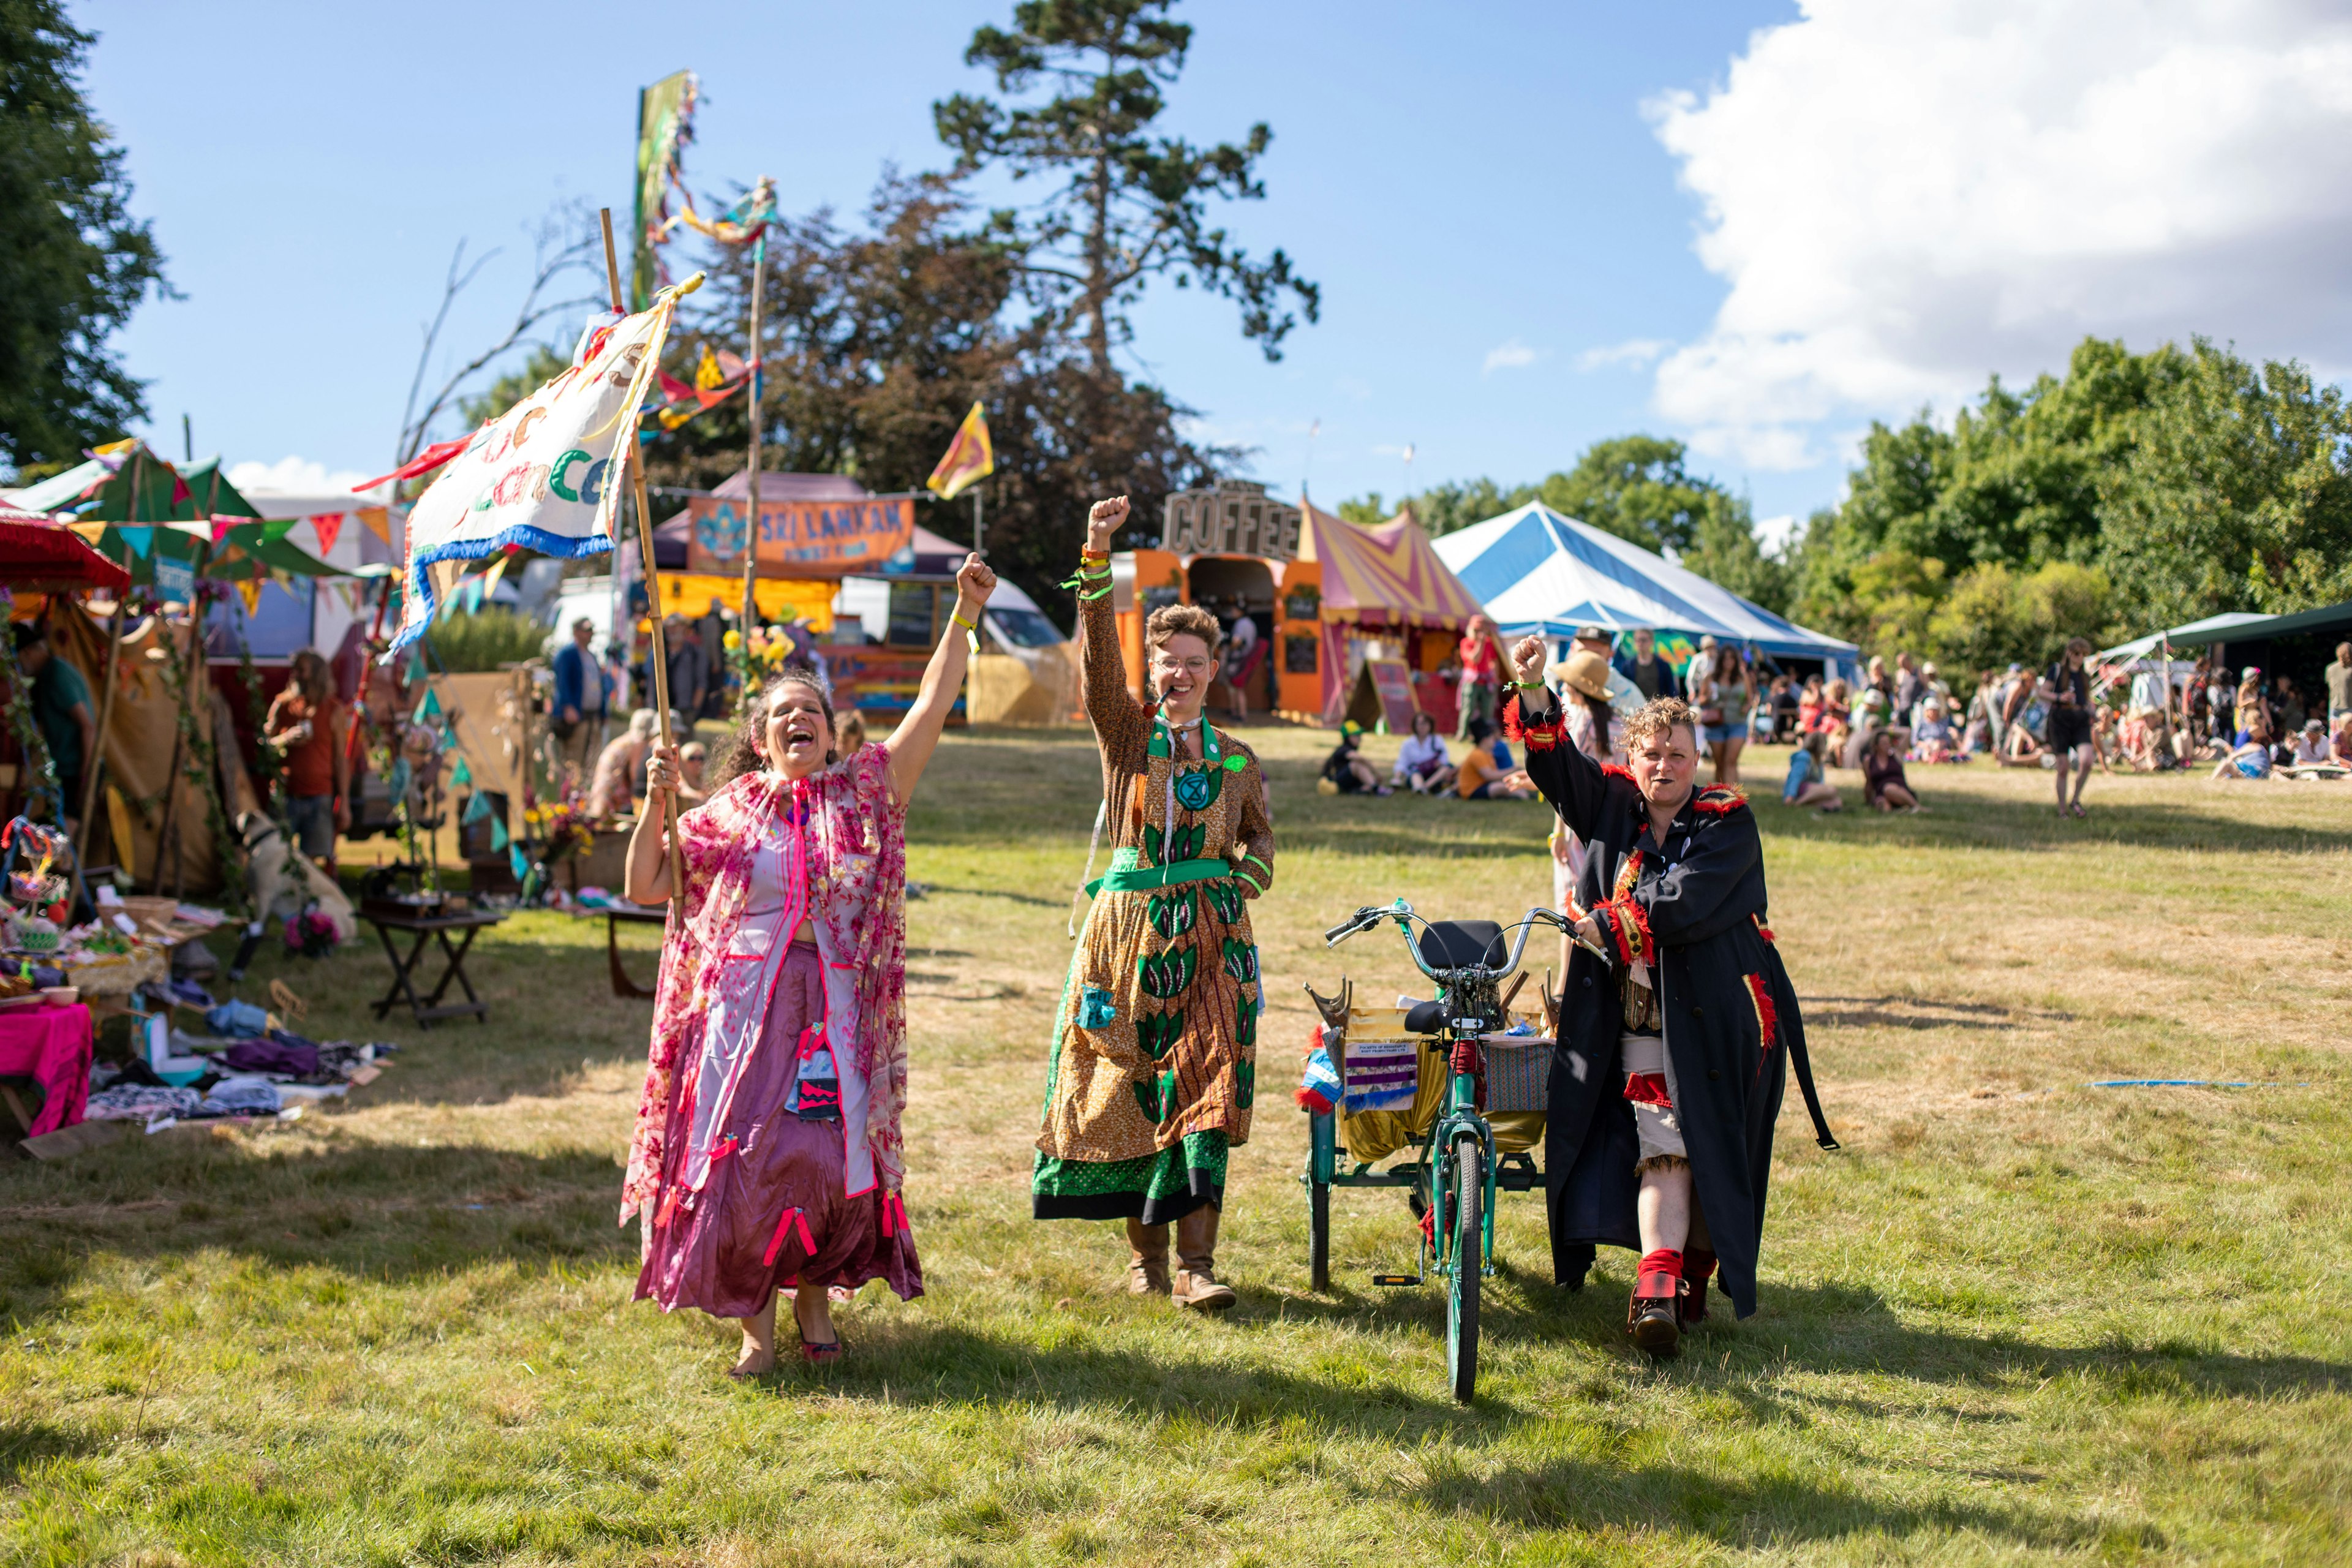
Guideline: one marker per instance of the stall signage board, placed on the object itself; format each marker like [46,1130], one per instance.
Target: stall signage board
[174,580]
[1393,682]
[798,537]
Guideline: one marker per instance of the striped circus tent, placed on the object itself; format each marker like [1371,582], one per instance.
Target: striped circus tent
[1385,579]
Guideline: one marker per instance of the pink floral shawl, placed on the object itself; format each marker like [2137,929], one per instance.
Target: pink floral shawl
[858,896]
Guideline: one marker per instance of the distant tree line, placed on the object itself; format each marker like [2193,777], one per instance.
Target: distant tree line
[2134,491]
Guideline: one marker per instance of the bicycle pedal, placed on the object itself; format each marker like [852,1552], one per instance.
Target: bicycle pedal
[1396,1279]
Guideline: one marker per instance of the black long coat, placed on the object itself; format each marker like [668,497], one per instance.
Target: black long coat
[1729,1013]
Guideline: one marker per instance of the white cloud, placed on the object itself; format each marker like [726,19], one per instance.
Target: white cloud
[1511,355]
[1633,351]
[298,476]
[1904,199]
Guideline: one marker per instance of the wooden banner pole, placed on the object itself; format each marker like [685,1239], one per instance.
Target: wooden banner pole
[751,532]
[658,656]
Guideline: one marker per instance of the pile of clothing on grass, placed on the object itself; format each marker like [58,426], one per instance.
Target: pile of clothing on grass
[248,1065]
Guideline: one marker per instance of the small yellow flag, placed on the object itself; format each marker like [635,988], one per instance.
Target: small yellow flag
[970,457]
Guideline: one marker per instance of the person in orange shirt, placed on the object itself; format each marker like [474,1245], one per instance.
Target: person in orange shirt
[309,728]
[1481,776]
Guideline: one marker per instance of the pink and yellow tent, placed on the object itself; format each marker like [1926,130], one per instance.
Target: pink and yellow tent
[1382,581]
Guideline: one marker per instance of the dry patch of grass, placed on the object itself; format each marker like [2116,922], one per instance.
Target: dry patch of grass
[2016,1318]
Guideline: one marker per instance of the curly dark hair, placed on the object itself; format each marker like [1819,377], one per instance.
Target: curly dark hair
[745,754]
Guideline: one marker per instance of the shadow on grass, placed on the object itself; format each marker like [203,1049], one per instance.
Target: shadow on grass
[387,1213]
[1921,1012]
[25,1444]
[1967,820]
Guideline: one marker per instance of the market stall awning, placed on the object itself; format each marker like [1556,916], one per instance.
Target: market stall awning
[43,555]
[1387,574]
[2196,634]
[1537,571]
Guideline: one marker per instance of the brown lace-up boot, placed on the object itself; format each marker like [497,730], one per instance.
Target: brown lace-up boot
[1147,1267]
[1196,1255]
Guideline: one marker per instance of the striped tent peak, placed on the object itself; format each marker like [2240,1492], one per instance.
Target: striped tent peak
[1390,567]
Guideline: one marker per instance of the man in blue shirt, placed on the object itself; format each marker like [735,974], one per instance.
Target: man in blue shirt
[579,702]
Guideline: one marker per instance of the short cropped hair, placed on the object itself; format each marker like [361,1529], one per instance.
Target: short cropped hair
[1183,620]
[1660,716]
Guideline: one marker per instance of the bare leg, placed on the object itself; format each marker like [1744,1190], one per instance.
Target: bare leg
[759,1341]
[813,1309]
[2082,771]
[1664,1207]
[2064,757]
[1728,773]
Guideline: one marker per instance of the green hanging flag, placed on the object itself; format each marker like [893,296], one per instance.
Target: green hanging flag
[430,708]
[461,777]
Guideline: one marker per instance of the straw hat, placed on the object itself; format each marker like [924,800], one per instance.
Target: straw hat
[1588,672]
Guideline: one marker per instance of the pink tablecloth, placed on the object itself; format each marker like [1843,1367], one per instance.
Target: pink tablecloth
[51,1045]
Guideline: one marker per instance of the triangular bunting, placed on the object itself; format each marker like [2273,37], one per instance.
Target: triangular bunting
[328,527]
[500,837]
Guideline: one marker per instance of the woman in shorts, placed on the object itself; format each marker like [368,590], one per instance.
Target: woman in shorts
[2068,690]
[1723,693]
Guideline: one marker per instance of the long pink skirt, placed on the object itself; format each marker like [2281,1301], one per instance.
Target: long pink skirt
[741,1240]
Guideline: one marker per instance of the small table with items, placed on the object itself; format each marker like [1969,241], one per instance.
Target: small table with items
[430,927]
[50,1043]
[635,914]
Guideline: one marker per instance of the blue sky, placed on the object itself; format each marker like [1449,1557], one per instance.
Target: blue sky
[1754,225]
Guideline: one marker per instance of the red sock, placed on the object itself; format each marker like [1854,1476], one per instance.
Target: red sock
[1702,1266]
[1667,1260]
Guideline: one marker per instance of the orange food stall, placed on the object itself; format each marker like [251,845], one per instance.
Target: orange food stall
[1350,593]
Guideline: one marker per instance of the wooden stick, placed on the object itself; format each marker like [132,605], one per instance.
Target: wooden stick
[659,655]
[93,764]
[752,536]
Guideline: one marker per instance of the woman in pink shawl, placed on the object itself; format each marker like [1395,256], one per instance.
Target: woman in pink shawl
[767,1151]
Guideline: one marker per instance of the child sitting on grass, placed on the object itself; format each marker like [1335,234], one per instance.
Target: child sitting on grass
[1807,785]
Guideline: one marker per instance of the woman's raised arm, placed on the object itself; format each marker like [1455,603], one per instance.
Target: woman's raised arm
[918,734]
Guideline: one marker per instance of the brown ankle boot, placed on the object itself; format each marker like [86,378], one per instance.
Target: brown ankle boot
[1196,1255]
[1147,1267]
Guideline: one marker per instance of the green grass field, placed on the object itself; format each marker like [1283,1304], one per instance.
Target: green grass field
[2016,1318]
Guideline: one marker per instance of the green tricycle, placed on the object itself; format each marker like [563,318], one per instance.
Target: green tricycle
[1457,1077]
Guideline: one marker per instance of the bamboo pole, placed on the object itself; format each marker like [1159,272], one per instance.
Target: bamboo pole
[659,655]
[93,764]
[192,670]
[752,535]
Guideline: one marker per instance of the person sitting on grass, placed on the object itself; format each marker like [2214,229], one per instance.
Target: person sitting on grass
[1422,761]
[2339,744]
[1481,777]
[1346,772]
[1883,784]
[1932,742]
[1809,706]
[768,1154]
[1807,785]
[1659,1136]
[2251,757]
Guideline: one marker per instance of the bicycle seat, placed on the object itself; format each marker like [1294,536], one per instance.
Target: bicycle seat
[1458,945]
[1425,1018]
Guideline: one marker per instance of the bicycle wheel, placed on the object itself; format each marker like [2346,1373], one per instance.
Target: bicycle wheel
[1468,1179]
[1318,1235]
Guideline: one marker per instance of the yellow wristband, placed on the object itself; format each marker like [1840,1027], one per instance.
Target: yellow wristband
[957,617]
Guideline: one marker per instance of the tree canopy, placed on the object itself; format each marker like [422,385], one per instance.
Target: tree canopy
[1128,205]
[74,264]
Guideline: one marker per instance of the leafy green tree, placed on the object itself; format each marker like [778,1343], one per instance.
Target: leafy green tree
[2237,494]
[1128,205]
[74,264]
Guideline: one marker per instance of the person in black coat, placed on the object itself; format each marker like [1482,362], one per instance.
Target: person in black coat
[1674,1049]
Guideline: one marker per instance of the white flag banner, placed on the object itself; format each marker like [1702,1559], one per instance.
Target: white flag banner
[545,475]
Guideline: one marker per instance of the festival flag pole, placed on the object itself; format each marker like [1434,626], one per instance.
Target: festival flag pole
[659,657]
[191,669]
[92,764]
[751,532]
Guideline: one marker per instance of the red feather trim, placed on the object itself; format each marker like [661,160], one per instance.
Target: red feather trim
[1720,800]
[1536,737]
[1639,918]
[1648,1089]
[1619,770]
[1311,1102]
[1768,1017]
[1761,928]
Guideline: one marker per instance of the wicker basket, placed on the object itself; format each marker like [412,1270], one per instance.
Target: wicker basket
[1519,1073]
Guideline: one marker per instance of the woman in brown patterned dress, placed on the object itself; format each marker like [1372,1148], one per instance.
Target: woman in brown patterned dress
[1155,1045]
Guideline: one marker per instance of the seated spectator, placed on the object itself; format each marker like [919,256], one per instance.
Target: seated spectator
[1809,706]
[2021,748]
[1481,777]
[2339,745]
[1883,784]
[1346,770]
[1778,716]
[609,794]
[1422,761]
[2249,759]
[692,759]
[1983,715]
[2311,745]
[1932,742]
[1807,785]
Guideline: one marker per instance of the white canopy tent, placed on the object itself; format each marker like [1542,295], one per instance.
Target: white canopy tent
[1537,571]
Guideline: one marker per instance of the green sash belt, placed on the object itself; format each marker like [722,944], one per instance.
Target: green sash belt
[1142,879]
